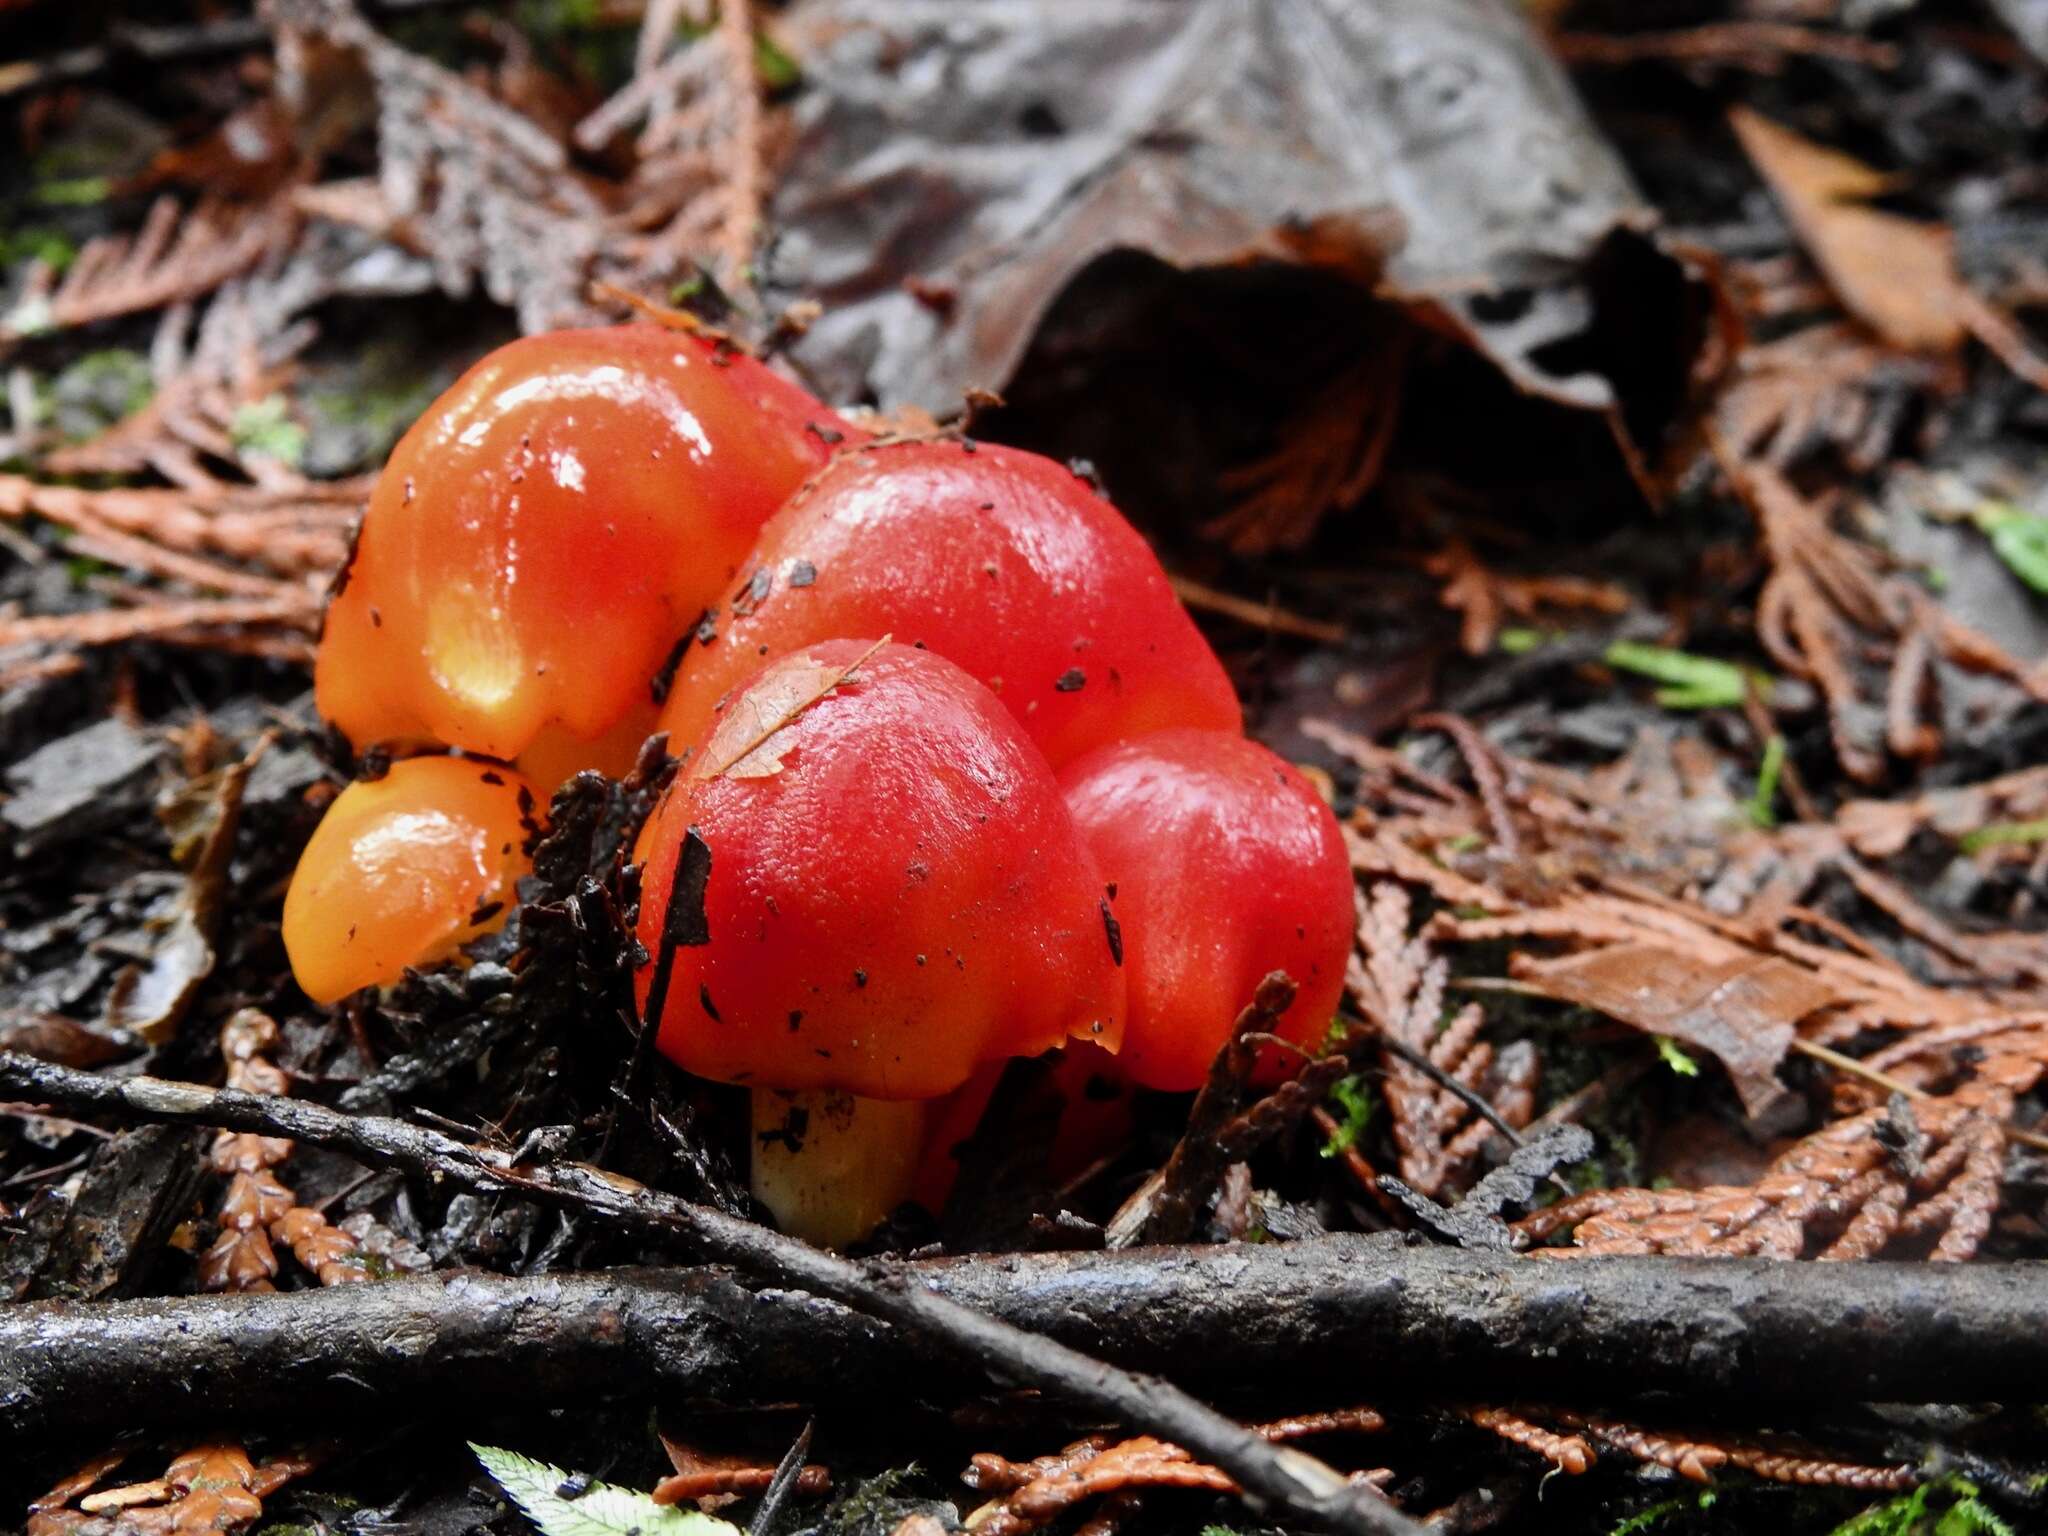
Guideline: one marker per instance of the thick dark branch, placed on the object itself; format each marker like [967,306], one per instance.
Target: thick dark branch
[1279,1476]
[1339,1317]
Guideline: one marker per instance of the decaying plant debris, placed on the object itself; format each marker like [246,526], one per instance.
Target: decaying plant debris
[1605,444]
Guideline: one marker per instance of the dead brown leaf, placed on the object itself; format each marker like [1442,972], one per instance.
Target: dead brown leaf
[1443,141]
[1895,274]
[1744,1010]
[151,999]
[762,713]
[1924,1175]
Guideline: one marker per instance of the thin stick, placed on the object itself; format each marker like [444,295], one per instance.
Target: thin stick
[1885,1080]
[1474,1100]
[1267,616]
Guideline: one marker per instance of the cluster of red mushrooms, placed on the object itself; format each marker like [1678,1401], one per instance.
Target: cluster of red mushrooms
[959,779]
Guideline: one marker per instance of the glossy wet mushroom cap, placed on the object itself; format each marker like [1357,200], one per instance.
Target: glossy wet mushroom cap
[999,560]
[404,870]
[1226,865]
[871,884]
[548,531]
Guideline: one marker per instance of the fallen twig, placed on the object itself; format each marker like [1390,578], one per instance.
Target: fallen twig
[1277,1476]
[1415,1321]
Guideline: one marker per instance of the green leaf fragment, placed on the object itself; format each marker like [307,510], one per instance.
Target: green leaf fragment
[1675,1058]
[776,69]
[2004,833]
[2018,538]
[1352,1096]
[1694,682]
[599,1510]
[1762,802]
[73,192]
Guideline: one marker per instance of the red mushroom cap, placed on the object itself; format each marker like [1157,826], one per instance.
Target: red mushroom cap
[881,888]
[544,535]
[1226,865]
[997,559]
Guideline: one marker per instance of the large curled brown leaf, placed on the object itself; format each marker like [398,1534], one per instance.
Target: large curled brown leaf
[959,165]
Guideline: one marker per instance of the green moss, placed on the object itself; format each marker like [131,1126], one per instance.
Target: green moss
[1658,1514]
[72,192]
[98,390]
[37,242]
[1949,1506]
[265,429]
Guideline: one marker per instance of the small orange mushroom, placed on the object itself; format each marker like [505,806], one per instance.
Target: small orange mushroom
[544,536]
[404,870]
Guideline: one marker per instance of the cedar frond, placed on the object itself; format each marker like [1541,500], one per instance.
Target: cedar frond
[482,191]
[270,552]
[1821,1472]
[1827,602]
[298,535]
[1330,455]
[706,1474]
[1848,1191]
[1038,1492]
[259,1210]
[175,256]
[704,145]
[1640,854]
[491,198]
[1698,1460]
[1568,1453]
[1825,386]
[1880,828]
[1482,597]
[208,1489]
[213,623]
[1397,984]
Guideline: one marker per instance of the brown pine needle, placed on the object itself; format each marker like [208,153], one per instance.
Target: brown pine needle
[1268,616]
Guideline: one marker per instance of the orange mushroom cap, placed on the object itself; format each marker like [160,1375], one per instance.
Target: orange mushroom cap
[879,886]
[1226,865]
[547,532]
[997,559]
[404,870]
